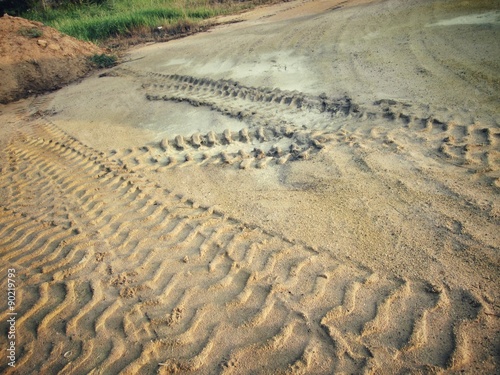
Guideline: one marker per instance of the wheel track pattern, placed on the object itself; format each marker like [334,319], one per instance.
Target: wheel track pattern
[284,125]
[141,283]
[244,149]
[475,146]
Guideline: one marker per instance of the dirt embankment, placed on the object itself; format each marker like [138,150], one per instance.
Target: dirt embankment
[36,58]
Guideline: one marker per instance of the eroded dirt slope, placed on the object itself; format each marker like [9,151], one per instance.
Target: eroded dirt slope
[35,58]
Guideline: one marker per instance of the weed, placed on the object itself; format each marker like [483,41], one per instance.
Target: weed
[30,32]
[103,60]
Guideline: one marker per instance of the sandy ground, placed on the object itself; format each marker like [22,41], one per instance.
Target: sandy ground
[312,190]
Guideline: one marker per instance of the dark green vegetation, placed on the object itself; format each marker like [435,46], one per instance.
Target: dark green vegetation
[30,32]
[100,20]
[14,7]
[103,60]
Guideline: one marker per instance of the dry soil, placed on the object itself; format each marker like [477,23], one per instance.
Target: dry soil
[312,190]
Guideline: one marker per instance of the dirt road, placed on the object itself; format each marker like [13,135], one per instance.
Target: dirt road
[314,189]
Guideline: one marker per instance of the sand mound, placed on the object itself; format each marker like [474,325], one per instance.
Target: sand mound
[36,58]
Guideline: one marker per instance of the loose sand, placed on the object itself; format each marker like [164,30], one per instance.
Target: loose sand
[312,190]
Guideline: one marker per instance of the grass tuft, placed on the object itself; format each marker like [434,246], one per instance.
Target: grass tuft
[30,32]
[103,60]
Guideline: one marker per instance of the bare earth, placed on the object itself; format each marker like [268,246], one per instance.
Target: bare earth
[313,190]
[35,58]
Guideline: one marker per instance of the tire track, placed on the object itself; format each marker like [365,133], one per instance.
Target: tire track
[147,270]
[243,149]
[283,126]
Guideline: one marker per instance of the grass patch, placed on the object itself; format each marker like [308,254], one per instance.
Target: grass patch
[30,32]
[112,25]
[126,18]
[103,60]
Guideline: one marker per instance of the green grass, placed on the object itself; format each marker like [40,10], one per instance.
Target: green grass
[30,32]
[103,60]
[112,18]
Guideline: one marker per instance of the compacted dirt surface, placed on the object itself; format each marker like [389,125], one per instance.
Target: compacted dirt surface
[312,190]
